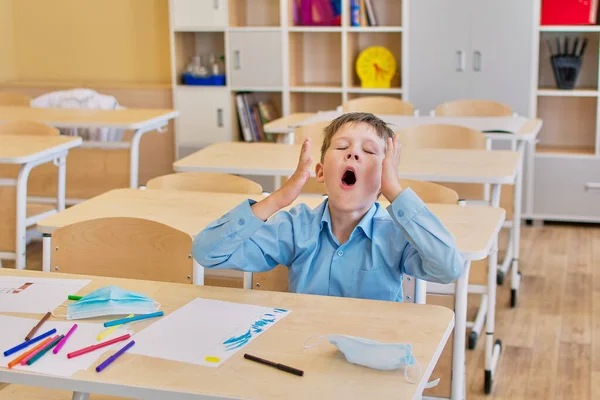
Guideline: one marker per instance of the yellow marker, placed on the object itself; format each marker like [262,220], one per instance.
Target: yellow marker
[212,359]
[108,331]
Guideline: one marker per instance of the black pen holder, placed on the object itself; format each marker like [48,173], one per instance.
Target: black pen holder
[566,70]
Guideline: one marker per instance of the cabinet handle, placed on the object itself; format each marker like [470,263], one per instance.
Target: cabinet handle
[477,61]
[216,4]
[592,186]
[460,55]
[236,59]
[219,117]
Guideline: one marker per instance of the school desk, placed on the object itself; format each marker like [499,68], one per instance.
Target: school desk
[29,152]
[474,228]
[141,121]
[517,131]
[326,373]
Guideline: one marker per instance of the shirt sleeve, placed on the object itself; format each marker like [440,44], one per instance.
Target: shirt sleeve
[431,252]
[241,241]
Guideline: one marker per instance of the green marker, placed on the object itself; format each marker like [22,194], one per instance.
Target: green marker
[45,350]
[73,297]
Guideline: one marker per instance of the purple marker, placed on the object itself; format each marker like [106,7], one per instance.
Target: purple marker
[62,342]
[112,358]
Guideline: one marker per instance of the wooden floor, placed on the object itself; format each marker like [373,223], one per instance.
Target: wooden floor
[551,339]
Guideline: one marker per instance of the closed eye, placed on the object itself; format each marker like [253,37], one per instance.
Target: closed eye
[341,148]
[369,151]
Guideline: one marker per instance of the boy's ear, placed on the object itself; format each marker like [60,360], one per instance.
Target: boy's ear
[319,172]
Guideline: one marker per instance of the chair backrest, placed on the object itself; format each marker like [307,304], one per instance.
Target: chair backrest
[442,136]
[379,105]
[122,247]
[205,182]
[14,99]
[431,192]
[473,108]
[28,128]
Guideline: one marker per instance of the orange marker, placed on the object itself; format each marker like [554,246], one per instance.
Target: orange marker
[27,353]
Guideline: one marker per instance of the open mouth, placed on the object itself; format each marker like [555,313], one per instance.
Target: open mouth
[349,177]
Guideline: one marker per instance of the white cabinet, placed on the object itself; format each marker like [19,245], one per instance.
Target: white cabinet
[205,116]
[256,59]
[198,14]
[478,49]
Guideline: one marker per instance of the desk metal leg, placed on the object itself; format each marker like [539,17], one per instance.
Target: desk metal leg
[80,396]
[62,179]
[492,349]
[516,237]
[134,154]
[21,215]
[198,277]
[460,333]
[46,252]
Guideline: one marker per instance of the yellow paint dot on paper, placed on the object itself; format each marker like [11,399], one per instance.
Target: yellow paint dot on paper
[212,359]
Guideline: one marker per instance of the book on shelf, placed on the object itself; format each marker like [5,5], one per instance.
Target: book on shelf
[362,13]
[317,12]
[252,115]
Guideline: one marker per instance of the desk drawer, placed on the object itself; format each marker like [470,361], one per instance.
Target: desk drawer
[568,187]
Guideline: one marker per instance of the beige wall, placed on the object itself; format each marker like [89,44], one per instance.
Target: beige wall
[91,41]
[7,52]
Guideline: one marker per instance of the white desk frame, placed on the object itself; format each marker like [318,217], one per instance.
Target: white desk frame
[57,155]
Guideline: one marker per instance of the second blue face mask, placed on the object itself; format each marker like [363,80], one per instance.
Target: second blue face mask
[111,300]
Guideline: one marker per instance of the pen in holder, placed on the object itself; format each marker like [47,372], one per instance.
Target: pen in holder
[566,63]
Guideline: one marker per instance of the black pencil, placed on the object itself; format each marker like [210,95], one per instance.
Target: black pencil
[280,367]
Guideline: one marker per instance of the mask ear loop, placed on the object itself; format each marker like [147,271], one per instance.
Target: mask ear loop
[429,385]
[53,313]
[313,337]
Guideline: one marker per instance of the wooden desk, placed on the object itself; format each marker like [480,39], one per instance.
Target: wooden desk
[474,228]
[28,152]
[327,373]
[140,120]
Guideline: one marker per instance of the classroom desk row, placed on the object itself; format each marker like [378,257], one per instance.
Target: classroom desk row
[327,374]
[475,229]
[30,151]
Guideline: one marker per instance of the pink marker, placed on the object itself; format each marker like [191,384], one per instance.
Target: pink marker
[62,342]
[29,357]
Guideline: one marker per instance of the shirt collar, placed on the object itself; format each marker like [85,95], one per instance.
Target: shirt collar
[365,224]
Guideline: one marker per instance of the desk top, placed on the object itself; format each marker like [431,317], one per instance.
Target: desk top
[523,128]
[473,227]
[88,118]
[441,165]
[327,373]
[20,149]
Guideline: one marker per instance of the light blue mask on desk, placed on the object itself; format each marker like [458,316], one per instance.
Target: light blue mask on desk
[373,354]
[111,300]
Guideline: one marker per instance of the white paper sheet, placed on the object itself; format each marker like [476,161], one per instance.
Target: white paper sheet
[14,330]
[205,328]
[36,295]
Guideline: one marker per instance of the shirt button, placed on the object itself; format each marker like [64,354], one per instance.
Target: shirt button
[241,221]
[340,253]
[401,213]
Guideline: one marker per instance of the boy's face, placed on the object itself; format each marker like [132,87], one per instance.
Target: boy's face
[351,168]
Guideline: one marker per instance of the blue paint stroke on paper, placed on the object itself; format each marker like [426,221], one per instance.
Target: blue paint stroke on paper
[257,327]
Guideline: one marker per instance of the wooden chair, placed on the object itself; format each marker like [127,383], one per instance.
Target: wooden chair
[123,247]
[473,108]
[14,99]
[205,182]
[28,128]
[379,105]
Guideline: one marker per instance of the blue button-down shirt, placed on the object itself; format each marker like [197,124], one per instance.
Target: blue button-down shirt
[407,239]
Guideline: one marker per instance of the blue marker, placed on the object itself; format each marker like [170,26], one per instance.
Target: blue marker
[29,342]
[136,318]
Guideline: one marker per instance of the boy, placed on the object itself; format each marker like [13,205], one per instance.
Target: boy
[348,246]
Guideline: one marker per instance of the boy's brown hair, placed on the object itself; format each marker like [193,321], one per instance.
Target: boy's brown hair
[380,127]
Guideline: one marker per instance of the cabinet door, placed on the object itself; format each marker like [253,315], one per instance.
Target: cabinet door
[204,116]
[502,51]
[255,59]
[438,59]
[190,14]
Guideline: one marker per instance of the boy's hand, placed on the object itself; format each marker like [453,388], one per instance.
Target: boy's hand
[286,194]
[390,185]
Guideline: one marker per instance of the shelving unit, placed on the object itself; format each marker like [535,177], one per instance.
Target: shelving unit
[567,158]
[296,68]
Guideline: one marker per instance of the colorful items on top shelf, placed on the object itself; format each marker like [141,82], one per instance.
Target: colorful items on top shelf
[204,70]
[317,12]
[362,13]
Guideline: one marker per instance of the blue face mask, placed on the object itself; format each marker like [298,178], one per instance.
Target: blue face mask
[111,300]
[376,355]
